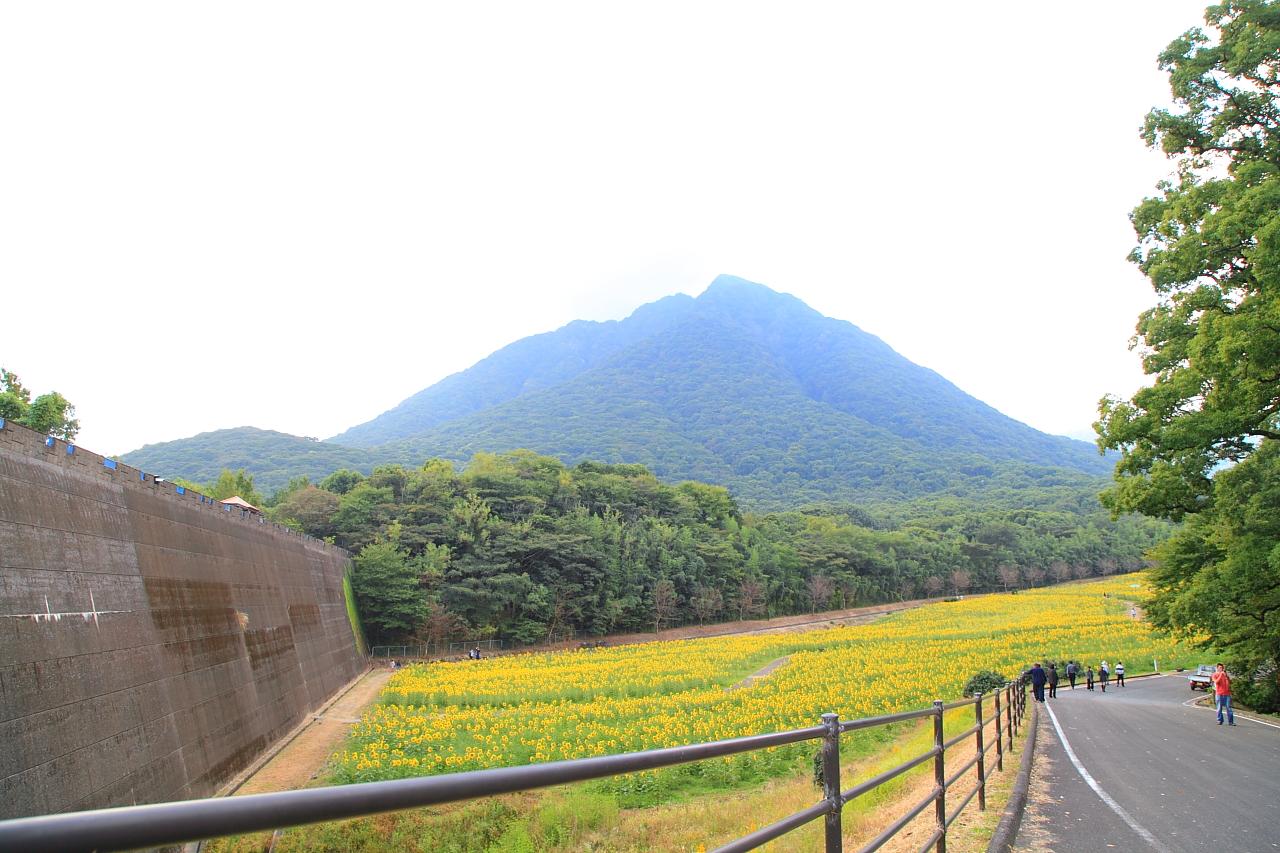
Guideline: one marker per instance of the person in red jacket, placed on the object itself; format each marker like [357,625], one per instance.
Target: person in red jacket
[1222,694]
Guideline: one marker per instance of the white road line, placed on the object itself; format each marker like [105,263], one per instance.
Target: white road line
[1097,789]
[1193,703]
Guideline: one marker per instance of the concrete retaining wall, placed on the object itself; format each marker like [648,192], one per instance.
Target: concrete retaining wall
[152,644]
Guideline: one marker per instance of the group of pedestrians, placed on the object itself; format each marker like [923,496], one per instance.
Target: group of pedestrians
[1041,678]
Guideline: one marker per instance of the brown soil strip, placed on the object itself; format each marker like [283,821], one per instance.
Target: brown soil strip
[801,622]
[755,626]
[305,756]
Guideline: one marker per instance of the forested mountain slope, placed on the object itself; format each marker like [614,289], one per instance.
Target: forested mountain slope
[742,386]
[529,364]
[272,458]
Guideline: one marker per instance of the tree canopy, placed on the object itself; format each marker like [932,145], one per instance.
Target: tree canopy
[522,547]
[229,484]
[1197,443]
[51,413]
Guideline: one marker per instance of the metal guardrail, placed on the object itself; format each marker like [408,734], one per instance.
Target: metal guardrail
[427,650]
[160,824]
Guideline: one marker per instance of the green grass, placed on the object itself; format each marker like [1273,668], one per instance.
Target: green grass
[357,630]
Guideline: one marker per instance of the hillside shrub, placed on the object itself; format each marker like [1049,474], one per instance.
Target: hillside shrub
[984,681]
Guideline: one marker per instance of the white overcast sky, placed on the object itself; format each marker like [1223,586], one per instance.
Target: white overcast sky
[295,215]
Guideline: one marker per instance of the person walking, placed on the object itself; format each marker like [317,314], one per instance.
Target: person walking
[1038,679]
[1072,672]
[1104,673]
[1119,673]
[1053,681]
[1089,676]
[1222,694]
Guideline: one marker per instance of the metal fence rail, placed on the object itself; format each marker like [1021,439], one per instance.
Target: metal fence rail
[444,647]
[160,824]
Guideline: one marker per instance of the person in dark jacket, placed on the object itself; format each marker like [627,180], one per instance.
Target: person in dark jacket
[1089,676]
[1038,678]
[1053,681]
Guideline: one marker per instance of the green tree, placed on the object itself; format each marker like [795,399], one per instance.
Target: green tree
[51,413]
[1210,244]
[229,484]
[362,513]
[388,583]
[15,399]
[295,485]
[311,508]
[342,481]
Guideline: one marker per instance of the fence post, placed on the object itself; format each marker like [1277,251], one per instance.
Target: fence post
[939,778]
[982,760]
[1017,698]
[999,735]
[831,780]
[1009,713]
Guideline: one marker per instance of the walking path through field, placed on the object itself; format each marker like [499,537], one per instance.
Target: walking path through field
[1143,768]
[763,672]
[305,755]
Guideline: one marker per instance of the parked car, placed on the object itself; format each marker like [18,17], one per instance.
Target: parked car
[1201,678]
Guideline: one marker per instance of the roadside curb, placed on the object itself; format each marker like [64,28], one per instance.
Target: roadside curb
[1007,830]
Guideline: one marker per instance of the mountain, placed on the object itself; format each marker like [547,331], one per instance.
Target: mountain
[742,386]
[273,458]
[529,364]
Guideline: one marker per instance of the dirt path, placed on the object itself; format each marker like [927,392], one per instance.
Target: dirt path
[764,672]
[303,757]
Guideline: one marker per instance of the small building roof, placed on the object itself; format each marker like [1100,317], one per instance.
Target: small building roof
[240,502]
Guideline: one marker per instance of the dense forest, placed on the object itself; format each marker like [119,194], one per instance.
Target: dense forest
[522,547]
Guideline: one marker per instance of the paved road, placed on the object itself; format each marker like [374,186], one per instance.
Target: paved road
[1177,782]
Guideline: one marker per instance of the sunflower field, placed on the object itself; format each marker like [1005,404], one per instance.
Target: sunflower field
[503,711]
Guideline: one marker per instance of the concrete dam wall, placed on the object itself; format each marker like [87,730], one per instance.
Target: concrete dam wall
[152,643]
